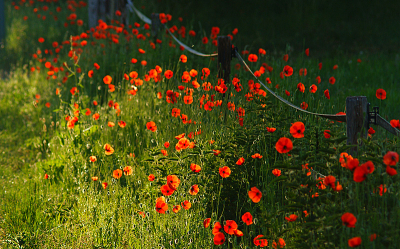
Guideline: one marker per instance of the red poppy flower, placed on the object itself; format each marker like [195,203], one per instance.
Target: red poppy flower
[371,131]
[255,194]
[390,171]
[381,94]
[291,218]
[372,237]
[354,242]
[326,93]
[206,222]
[104,185]
[225,172]
[247,218]
[128,170]
[151,126]
[183,58]
[173,181]
[240,161]
[151,177]
[313,88]
[238,233]
[391,158]
[230,227]
[349,220]
[256,156]
[108,149]
[318,79]
[95,178]
[281,243]
[276,172]
[284,145]
[194,189]
[166,190]
[176,208]
[304,105]
[332,80]
[287,70]
[301,87]
[252,58]
[271,129]
[286,57]
[360,174]
[219,239]
[320,65]
[168,74]
[74,90]
[297,130]
[96,66]
[217,227]
[161,206]
[260,242]
[195,168]
[330,181]
[107,79]
[216,152]
[307,52]
[92,159]
[395,123]
[117,173]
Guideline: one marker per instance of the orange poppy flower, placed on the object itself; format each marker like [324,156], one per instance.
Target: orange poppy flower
[287,71]
[46,176]
[255,194]
[247,218]
[176,208]
[92,159]
[230,227]
[107,79]
[104,185]
[95,178]
[121,124]
[117,173]
[188,99]
[355,242]
[186,205]
[165,190]
[176,112]
[291,218]
[238,233]
[96,116]
[141,51]
[297,129]
[225,172]
[276,172]
[194,189]
[240,161]
[271,129]
[219,239]
[128,170]
[206,222]
[195,168]
[110,124]
[151,126]
[349,220]
[151,177]
[391,158]
[183,58]
[173,181]
[108,149]
[381,94]
[332,80]
[284,145]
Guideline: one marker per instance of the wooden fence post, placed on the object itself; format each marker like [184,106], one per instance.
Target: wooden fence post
[155,26]
[224,59]
[2,25]
[357,120]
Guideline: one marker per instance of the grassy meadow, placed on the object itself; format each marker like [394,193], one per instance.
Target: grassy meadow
[112,139]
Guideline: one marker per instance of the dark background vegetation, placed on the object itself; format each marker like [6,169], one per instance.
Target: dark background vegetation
[323,26]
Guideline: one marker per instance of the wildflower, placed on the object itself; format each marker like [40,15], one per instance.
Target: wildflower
[240,161]
[161,206]
[104,185]
[117,173]
[276,172]
[332,80]
[151,177]
[287,70]
[381,94]
[349,220]
[108,149]
[256,156]
[95,178]
[247,218]
[291,218]
[354,242]
[173,181]
[284,145]
[225,172]
[195,168]
[219,238]
[307,52]
[260,242]
[255,194]
[165,190]
[313,88]
[391,158]
[230,227]
[92,159]
[128,170]
[297,130]
[186,205]
[327,134]
[121,124]
[107,79]
[253,58]
[183,58]
[194,189]
[206,222]
[151,126]
[326,93]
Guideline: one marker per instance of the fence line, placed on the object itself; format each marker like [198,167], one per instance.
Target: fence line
[358,103]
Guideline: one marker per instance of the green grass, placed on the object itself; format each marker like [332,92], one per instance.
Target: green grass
[71,210]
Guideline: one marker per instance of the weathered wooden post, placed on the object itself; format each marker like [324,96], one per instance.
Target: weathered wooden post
[357,120]
[2,25]
[224,59]
[155,26]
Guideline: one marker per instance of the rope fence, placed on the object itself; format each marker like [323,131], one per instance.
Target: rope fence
[358,116]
